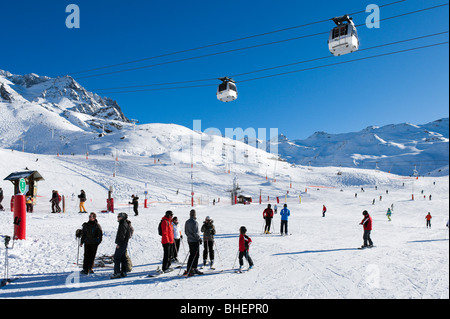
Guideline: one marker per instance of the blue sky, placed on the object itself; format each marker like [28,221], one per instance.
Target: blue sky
[409,87]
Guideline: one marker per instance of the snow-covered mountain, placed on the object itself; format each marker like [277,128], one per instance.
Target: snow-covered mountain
[398,148]
[47,115]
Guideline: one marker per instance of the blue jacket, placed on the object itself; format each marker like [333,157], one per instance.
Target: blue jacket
[285,213]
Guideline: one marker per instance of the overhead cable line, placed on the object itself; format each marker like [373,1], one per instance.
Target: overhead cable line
[288,72]
[274,67]
[250,47]
[224,42]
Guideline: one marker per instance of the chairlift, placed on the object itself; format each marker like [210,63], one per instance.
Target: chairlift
[227,91]
[343,38]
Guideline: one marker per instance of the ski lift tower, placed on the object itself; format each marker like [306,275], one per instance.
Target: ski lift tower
[234,191]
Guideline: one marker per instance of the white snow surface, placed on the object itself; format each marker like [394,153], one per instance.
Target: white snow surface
[319,260]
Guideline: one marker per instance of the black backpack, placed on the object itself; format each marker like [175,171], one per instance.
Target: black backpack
[159,228]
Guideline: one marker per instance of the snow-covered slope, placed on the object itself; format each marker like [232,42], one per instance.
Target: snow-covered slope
[319,260]
[396,148]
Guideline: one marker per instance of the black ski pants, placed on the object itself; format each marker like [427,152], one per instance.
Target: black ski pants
[366,238]
[284,224]
[167,254]
[120,259]
[90,250]
[208,246]
[194,248]
[268,222]
[245,254]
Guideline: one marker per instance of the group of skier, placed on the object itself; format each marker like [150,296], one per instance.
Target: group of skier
[268,215]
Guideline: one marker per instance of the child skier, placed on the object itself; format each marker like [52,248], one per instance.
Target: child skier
[244,246]
[324,210]
[367,226]
[388,214]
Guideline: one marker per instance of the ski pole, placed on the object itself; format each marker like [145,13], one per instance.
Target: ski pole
[218,254]
[192,263]
[235,259]
[184,261]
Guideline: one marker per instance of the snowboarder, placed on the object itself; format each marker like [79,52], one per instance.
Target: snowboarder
[244,246]
[167,240]
[1,199]
[82,198]
[389,213]
[268,215]
[367,226]
[177,237]
[135,202]
[194,241]
[324,210]
[428,218]
[208,231]
[124,233]
[91,237]
[284,213]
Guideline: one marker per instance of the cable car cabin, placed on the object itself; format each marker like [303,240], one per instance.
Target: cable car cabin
[344,37]
[227,91]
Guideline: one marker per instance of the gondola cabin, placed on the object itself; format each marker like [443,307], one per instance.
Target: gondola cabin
[343,38]
[227,91]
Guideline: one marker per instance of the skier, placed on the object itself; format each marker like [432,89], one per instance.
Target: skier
[135,202]
[284,213]
[268,215]
[389,213]
[1,199]
[55,202]
[124,233]
[244,246]
[208,231]
[194,241]
[275,209]
[177,237]
[82,198]
[91,237]
[167,240]
[324,210]
[367,226]
[428,218]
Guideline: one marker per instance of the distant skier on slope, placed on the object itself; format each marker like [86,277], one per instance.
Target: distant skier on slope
[82,198]
[428,218]
[285,213]
[268,215]
[389,213]
[135,202]
[324,210]
[367,226]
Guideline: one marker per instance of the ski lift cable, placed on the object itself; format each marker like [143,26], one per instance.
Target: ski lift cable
[224,42]
[270,68]
[248,47]
[289,72]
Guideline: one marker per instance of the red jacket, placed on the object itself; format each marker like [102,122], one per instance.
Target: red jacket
[268,213]
[244,243]
[428,217]
[167,230]
[367,222]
